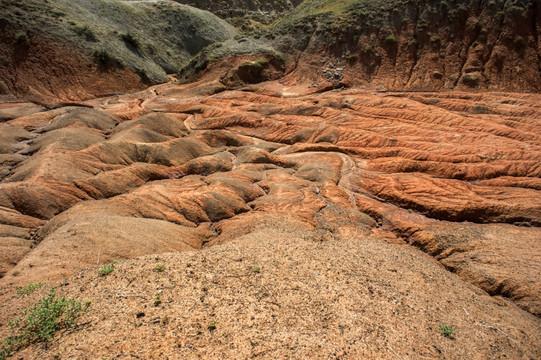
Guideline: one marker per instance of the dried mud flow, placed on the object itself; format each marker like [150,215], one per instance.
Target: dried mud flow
[370,220]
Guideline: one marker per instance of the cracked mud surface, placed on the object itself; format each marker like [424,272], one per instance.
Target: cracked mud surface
[184,168]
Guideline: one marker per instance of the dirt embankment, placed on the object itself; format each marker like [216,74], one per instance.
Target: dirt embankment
[43,69]
[69,50]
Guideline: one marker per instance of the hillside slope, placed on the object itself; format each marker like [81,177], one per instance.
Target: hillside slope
[76,49]
[410,45]
[260,10]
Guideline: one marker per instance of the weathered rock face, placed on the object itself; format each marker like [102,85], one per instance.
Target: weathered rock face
[415,45]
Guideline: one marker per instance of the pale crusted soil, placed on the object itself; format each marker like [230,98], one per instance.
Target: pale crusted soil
[345,299]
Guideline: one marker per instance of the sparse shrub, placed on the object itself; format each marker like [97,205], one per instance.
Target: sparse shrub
[131,39]
[107,269]
[40,322]
[391,40]
[447,331]
[352,57]
[28,289]
[157,300]
[261,63]
[86,32]
[160,267]
[279,56]
[212,326]
[519,43]
[152,49]
[22,39]
[256,269]
[480,109]
[435,40]
[499,58]
[470,80]
[104,58]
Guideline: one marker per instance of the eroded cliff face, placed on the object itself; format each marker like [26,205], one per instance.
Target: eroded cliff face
[415,45]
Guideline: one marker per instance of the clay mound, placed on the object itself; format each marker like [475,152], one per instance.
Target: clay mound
[276,293]
[406,167]
[290,180]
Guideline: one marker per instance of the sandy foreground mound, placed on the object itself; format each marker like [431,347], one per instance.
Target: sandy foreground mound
[280,294]
[325,192]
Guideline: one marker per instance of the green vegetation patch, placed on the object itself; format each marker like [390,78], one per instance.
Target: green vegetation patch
[107,269]
[40,322]
[447,331]
[28,289]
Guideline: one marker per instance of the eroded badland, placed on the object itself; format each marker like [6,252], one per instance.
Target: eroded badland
[329,179]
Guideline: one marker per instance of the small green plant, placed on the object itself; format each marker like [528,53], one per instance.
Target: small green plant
[130,38]
[256,269]
[28,289]
[212,326]
[40,322]
[391,40]
[447,331]
[157,300]
[279,56]
[352,57]
[160,267]
[261,63]
[104,58]
[22,39]
[107,269]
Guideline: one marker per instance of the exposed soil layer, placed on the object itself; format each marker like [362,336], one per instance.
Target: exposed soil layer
[456,174]
[413,45]
[46,69]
